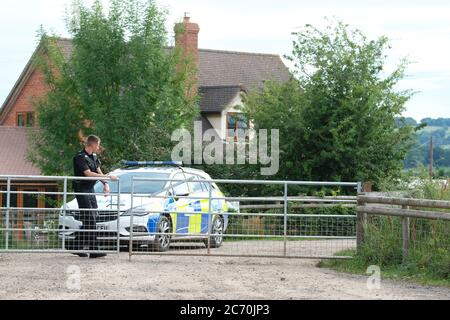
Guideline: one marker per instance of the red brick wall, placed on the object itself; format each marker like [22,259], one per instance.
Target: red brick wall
[33,89]
[188,42]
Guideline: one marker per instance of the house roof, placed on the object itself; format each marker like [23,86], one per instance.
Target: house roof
[250,70]
[216,68]
[13,146]
[215,98]
[220,67]
[15,91]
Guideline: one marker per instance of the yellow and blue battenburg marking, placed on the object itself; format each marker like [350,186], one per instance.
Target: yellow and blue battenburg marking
[188,217]
[193,217]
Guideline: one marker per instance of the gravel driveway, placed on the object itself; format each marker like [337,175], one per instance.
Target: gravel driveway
[65,276]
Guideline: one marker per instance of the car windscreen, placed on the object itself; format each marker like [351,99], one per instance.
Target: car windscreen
[139,186]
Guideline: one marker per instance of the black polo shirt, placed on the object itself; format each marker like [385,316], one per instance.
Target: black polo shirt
[82,162]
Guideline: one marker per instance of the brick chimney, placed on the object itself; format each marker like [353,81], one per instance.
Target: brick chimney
[186,39]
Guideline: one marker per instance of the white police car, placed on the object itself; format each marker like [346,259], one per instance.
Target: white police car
[160,208]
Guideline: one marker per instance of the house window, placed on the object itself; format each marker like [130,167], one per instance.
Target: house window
[30,119]
[21,120]
[25,119]
[237,123]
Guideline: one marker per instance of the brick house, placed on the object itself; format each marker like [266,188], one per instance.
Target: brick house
[222,77]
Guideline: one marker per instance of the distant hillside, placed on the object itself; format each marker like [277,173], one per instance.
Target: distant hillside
[439,129]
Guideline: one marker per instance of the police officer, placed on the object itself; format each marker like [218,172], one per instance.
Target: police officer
[87,164]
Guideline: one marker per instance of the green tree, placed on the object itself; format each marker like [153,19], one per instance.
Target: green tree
[337,116]
[120,83]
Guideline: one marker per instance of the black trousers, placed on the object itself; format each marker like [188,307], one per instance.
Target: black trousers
[89,218]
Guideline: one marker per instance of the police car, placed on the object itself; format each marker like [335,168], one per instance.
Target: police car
[161,211]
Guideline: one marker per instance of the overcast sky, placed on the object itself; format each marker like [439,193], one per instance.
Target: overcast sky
[418,29]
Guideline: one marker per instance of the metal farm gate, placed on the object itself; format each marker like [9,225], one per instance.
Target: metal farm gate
[279,225]
[291,219]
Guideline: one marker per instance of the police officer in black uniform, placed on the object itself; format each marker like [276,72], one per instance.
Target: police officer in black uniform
[87,164]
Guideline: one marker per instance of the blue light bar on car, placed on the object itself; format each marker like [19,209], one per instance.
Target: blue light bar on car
[152,163]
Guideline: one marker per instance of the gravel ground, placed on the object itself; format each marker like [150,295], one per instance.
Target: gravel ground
[65,276]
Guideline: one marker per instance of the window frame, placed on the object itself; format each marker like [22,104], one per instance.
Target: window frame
[25,115]
[29,119]
[197,179]
[206,184]
[22,115]
[235,138]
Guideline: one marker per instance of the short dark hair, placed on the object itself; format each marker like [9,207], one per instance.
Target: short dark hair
[92,140]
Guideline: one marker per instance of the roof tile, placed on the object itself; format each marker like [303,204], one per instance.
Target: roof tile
[13,146]
[216,98]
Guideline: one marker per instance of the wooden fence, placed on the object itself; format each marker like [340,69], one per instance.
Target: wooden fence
[385,206]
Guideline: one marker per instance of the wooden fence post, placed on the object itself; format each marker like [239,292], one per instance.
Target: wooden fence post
[367,186]
[360,224]
[405,235]
[361,217]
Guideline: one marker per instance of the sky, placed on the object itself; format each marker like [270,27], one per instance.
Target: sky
[418,29]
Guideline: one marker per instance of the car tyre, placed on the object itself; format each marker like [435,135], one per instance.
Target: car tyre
[162,241]
[217,228]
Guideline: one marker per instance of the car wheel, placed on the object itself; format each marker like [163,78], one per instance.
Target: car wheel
[217,230]
[162,240]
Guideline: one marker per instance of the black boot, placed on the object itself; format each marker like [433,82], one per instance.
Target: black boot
[97,255]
